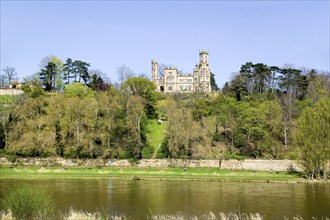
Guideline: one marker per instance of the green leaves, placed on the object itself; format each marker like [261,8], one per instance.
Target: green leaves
[78,90]
[313,137]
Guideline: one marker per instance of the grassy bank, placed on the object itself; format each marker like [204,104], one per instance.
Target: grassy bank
[145,174]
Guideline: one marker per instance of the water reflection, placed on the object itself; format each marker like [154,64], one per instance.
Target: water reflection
[139,198]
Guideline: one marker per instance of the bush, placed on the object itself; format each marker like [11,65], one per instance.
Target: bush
[147,152]
[28,202]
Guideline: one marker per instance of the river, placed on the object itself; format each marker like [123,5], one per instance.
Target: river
[139,198]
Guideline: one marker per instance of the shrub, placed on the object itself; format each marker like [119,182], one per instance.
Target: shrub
[147,152]
[28,202]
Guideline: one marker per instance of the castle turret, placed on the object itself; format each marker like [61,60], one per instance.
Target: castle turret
[154,71]
[203,56]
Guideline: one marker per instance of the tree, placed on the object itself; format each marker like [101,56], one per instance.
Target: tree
[181,130]
[96,81]
[273,142]
[246,77]
[109,109]
[293,82]
[161,67]
[273,79]
[251,128]
[28,135]
[76,71]
[3,78]
[261,74]
[313,138]
[317,86]
[69,72]
[239,87]
[77,90]
[225,109]
[81,69]
[214,85]
[4,126]
[144,88]
[124,73]
[10,73]
[135,138]
[48,76]
[57,82]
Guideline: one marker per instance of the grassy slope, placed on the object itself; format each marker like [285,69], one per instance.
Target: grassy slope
[145,173]
[6,99]
[155,133]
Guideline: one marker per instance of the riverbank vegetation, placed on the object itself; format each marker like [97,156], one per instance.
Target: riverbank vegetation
[262,112]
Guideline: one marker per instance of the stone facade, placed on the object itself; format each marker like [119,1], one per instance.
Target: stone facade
[173,81]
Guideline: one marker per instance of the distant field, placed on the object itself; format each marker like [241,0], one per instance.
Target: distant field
[7,99]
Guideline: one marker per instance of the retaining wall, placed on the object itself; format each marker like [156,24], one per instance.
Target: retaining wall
[11,91]
[249,164]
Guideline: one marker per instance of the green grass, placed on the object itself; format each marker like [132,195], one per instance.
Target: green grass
[30,202]
[7,99]
[145,173]
[155,133]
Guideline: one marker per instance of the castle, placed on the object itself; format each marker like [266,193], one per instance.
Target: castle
[173,81]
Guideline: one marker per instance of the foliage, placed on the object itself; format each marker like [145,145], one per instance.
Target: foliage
[76,71]
[313,137]
[214,85]
[48,76]
[7,99]
[29,202]
[256,115]
[77,90]
[141,87]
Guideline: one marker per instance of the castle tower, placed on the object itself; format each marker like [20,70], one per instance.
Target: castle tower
[202,73]
[154,71]
[203,56]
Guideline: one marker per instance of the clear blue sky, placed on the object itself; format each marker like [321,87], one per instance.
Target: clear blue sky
[111,33]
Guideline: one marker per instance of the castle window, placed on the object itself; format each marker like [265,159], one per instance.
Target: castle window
[170,88]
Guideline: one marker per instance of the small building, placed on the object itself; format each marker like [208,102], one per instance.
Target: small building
[173,81]
[15,84]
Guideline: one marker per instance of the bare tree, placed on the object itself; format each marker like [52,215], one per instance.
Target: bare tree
[124,73]
[144,75]
[2,80]
[44,61]
[10,72]
[161,67]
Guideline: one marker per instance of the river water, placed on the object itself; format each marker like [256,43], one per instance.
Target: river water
[140,198]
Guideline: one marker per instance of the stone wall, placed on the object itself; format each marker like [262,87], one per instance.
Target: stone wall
[260,165]
[249,164]
[11,91]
